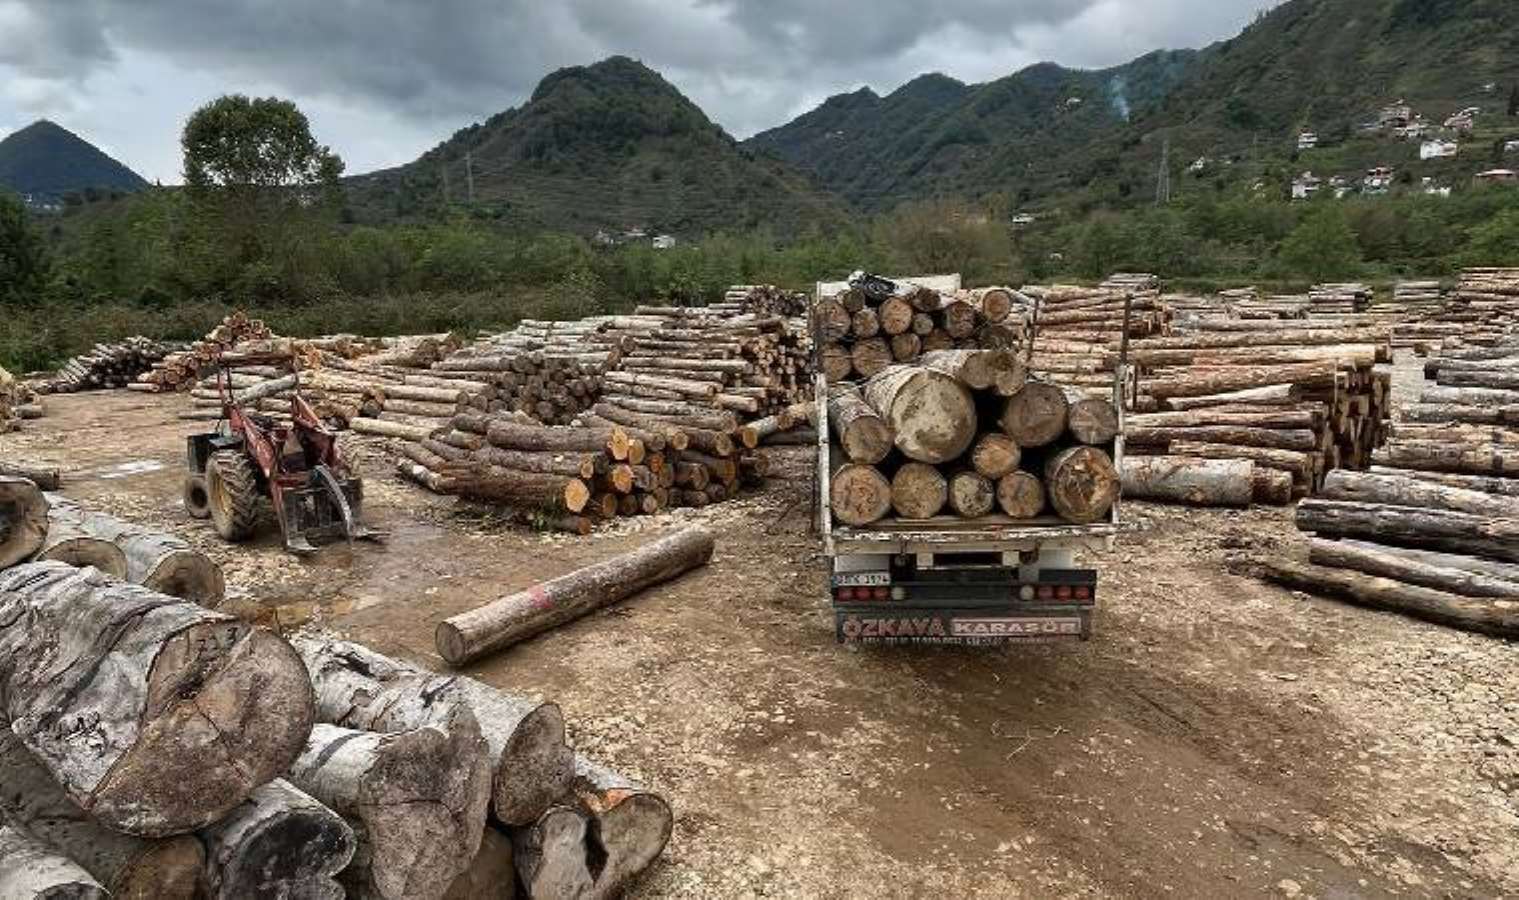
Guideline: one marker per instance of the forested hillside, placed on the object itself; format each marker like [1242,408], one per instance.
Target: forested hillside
[47,161]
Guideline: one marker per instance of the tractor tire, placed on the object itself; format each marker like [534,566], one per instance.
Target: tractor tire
[233,492]
[197,503]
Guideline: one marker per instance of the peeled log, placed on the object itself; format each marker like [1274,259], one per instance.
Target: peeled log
[631,824]
[996,455]
[1082,484]
[1273,395]
[278,843]
[1020,495]
[932,415]
[918,491]
[129,867]
[971,495]
[861,432]
[391,788]
[1197,482]
[23,519]
[31,869]
[517,617]
[155,560]
[1404,565]
[1482,616]
[1036,415]
[186,710]
[1394,490]
[529,764]
[1432,528]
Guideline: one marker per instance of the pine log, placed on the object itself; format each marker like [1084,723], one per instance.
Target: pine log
[1196,482]
[1036,415]
[864,323]
[835,362]
[971,495]
[1434,529]
[551,854]
[871,356]
[1407,566]
[280,842]
[1090,420]
[858,494]
[1279,439]
[1270,395]
[996,303]
[1394,490]
[865,437]
[932,415]
[895,315]
[980,369]
[514,618]
[678,413]
[629,418]
[1482,616]
[1206,382]
[918,491]
[557,492]
[1499,571]
[995,455]
[1296,463]
[1458,459]
[187,710]
[393,789]
[45,477]
[1282,418]
[127,866]
[69,541]
[905,347]
[573,463]
[157,561]
[32,870]
[514,436]
[1271,487]
[388,429]
[631,824]
[492,874]
[23,519]
[1082,484]
[425,477]
[1505,487]
[1021,495]
[266,389]
[832,319]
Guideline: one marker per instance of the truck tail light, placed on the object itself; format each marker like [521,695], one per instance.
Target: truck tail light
[1046,592]
[1081,592]
[880,593]
[1063,592]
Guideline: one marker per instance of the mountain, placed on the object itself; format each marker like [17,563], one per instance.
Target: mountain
[610,146]
[47,161]
[1095,138]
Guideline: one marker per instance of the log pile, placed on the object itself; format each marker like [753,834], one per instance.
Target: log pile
[1339,299]
[1483,309]
[108,366]
[966,435]
[766,300]
[17,402]
[552,371]
[876,323]
[182,368]
[158,561]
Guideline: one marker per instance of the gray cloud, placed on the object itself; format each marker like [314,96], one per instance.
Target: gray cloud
[410,69]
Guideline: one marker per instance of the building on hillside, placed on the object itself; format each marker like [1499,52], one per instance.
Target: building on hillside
[1307,140]
[1396,115]
[1305,186]
[1378,180]
[663,241]
[1464,120]
[1342,186]
[1511,146]
[1199,165]
[1497,176]
[1072,102]
[1438,149]
[1435,190]
[1023,220]
[1416,130]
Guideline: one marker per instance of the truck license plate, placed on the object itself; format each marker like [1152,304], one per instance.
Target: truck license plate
[862,579]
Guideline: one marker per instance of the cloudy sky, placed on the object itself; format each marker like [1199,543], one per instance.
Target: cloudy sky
[383,80]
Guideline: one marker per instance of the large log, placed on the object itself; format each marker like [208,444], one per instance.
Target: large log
[32,870]
[980,369]
[551,854]
[631,823]
[1482,616]
[971,495]
[492,875]
[932,416]
[515,436]
[1487,568]
[1271,487]
[1505,487]
[1443,413]
[280,842]
[1284,418]
[575,464]
[1270,395]
[1460,459]
[153,559]
[516,617]
[527,761]
[918,491]
[45,477]
[1197,482]
[995,455]
[399,430]
[156,715]
[129,867]
[1036,415]
[1021,495]
[1272,438]
[565,493]
[1298,464]
[23,519]
[1082,484]
[1090,420]
[1435,529]
[1395,490]
[394,790]
[871,356]
[861,432]
[1403,565]
[858,494]
[1206,382]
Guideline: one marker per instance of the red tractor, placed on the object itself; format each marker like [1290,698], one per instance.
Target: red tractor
[251,456]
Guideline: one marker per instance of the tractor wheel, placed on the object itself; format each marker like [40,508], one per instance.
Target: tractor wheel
[232,489]
[197,504]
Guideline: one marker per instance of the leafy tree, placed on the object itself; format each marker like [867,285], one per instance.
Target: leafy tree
[1513,101]
[240,144]
[943,236]
[1496,242]
[23,263]
[1322,247]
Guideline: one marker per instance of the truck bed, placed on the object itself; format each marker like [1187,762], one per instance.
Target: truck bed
[995,532]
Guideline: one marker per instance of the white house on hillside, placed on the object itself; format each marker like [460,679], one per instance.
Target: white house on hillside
[1439,149]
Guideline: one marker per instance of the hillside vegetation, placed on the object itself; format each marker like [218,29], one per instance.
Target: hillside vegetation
[49,162]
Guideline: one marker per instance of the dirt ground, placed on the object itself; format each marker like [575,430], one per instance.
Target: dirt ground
[1218,737]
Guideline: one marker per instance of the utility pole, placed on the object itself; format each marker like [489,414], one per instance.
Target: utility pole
[444,170]
[469,175]
[1163,179]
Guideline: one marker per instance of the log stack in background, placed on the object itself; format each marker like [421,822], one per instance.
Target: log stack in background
[1483,308]
[17,402]
[1339,299]
[552,371]
[108,366]
[182,368]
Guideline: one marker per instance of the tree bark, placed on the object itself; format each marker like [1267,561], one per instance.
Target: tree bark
[918,491]
[1020,495]
[31,869]
[1302,440]
[1197,482]
[1272,395]
[157,561]
[571,463]
[45,477]
[1036,415]
[971,495]
[551,855]
[1457,459]
[129,867]
[864,436]
[1394,490]
[186,711]
[1504,487]
[394,789]
[1082,484]
[1450,413]
[1294,462]
[1229,416]
[1430,528]
[1482,616]
[278,843]
[1406,566]
[631,825]
[932,415]
[517,617]
[23,519]
[858,494]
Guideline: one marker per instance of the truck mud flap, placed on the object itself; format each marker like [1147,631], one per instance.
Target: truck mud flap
[897,625]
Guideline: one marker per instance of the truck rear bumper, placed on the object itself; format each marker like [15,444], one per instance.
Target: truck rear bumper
[898,624]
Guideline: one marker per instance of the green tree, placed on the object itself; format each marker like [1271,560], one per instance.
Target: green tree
[1322,247]
[23,263]
[1513,101]
[1495,242]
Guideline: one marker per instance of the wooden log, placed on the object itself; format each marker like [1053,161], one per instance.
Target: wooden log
[1499,571]
[836,362]
[551,854]
[1036,415]
[1279,417]
[23,519]
[1395,490]
[1407,566]
[896,316]
[996,303]
[905,347]
[1287,337]
[157,561]
[871,356]
[562,493]
[1297,464]
[1196,482]
[529,764]
[425,477]
[1434,529]
[1279,439]
[31,869]
[187,710]
[995,455]
[1090,420]
[127,866]
[1271,487]
[1082,484]
[678,413]
[266,389]
[858,494]
[1506,487]
[392,788]
[1270,395]
[918,491]
[1481,616]
[516,617]
[832,320]
[972,495]
[398,430]
[492,874]
[1207,382]
[932,415]
[46,478]
[280,842]
[515,436]
[631,823]
[1458,459]
[864,323]
[573,463]
[863,435]
[1021,495]
[68,541]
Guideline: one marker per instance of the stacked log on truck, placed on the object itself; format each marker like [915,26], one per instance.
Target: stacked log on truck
[113,365]
[968,435]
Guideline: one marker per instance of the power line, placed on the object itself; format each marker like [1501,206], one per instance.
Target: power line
[469,174]
[1163,179]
